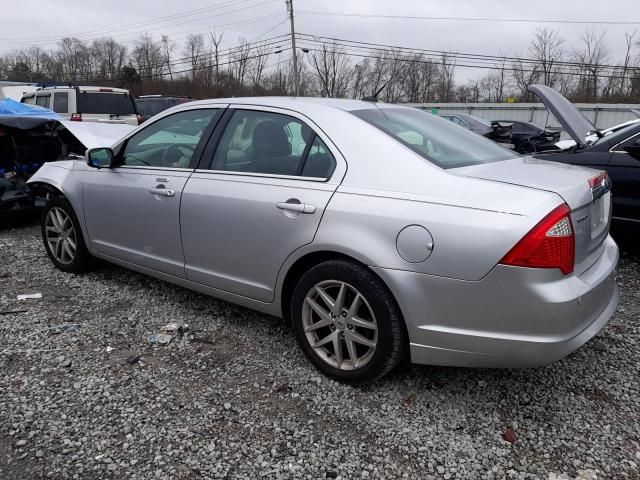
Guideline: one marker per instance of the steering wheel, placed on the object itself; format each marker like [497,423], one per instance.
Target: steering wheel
[178,156]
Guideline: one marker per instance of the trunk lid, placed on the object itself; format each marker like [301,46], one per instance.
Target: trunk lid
[573,121]
[590,207]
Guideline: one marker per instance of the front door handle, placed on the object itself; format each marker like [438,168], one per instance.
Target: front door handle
[162,191]
[296,207]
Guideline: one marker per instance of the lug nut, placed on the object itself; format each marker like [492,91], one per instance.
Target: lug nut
[344,314]
[350,327]
[333,327]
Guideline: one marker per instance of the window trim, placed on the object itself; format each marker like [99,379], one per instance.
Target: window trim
[212,147]
[200,147]
[616,149]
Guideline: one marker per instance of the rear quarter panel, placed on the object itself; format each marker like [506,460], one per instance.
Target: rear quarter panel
[468,242]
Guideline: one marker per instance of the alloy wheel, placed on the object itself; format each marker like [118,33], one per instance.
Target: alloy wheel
[61,235]
[340,325]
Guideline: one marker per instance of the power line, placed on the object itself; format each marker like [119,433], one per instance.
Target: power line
[138,25]
[359,54]
[471,19]
[138,31]
[465,56]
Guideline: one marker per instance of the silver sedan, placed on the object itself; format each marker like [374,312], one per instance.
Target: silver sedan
[378,231]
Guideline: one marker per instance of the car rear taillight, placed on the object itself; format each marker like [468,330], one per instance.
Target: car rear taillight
[140,120]
[550,244]
[599,180]
[76,117]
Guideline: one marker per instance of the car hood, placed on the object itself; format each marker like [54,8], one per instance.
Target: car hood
[93,135]
[574,122]
[571,182]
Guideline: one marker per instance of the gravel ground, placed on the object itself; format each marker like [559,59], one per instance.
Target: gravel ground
[244,403]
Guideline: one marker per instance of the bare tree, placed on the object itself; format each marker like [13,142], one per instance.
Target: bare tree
[591,57]
[239,62]
[524,74]
[447,76]
[148,58]
[547,49]
[215,41]
[332,70]
[194,51]
[258,63]
[167,51]
[623,88]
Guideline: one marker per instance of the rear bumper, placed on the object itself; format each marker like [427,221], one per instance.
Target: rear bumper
[514,317]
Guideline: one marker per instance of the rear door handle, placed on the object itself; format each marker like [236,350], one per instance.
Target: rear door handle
[162,191]
[296,207]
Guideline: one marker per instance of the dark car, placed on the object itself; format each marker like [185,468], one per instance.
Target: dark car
[494,130]
[617,153]
[150,105]
[527,137]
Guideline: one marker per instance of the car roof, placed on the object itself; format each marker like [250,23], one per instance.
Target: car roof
[298,103]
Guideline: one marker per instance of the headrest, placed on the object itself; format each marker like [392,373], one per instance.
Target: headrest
[270,140]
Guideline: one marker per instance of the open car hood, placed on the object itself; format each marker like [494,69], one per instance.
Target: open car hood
[574,122]
[93,134]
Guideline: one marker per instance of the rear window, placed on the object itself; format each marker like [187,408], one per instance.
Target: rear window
[435,139]
[105,103]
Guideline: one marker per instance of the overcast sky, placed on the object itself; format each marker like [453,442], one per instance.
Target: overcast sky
[45,21]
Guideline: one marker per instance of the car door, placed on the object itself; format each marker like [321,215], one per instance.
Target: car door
[132,210]
[624,171]
[259,195]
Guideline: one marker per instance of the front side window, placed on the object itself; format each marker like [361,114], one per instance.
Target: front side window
[60,102]
[434,138]
[43,100]
[273,144]
[170,142]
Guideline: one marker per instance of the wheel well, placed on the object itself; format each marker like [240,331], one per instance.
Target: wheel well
[44,191]
[304,264]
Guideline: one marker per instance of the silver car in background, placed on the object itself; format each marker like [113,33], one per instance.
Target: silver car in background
[378,231]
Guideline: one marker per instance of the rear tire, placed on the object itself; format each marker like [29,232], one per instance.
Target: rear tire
[62,237]
[347,322]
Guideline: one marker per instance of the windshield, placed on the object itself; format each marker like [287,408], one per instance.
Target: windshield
[105,103]
[438,141]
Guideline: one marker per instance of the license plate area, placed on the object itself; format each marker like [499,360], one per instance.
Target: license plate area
[600,212]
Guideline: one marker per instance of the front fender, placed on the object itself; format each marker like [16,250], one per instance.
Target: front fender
[64,177]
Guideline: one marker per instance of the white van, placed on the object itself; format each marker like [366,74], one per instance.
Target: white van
[87,104]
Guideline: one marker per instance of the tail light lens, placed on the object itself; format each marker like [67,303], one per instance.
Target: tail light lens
[76,117]
[550,244]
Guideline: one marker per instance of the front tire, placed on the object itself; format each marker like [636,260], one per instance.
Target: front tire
[347,322]
[62,237]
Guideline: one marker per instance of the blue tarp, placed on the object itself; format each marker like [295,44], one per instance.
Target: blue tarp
[11,107]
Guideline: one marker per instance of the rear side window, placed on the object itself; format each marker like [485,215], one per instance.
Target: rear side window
[61,102]
[273,144]
[29,100]
[104,103]
[43,100]
[433,138]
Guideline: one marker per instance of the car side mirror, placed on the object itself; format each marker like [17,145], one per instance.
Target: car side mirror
[100,157]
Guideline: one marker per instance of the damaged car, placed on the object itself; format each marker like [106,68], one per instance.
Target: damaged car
[31,137]
[616,152]
[379,232]
[498,131]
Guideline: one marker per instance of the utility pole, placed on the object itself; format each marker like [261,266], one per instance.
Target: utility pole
[296,73]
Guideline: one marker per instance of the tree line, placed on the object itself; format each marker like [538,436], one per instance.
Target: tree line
[200,67]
